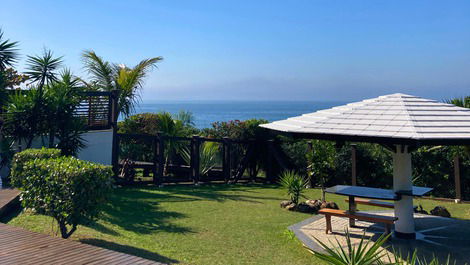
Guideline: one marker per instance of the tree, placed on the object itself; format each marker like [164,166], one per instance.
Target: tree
[463,102]
[321,162]
[43,68]
[106,76]
[8,52]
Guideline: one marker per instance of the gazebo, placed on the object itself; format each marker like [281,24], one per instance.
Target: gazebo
[399,122]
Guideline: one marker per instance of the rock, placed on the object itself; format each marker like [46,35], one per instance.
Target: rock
[284,204]
[330,205]
[291,207]
[314,205]
[440,211]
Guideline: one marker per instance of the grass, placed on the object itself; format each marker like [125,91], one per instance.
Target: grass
[209,224]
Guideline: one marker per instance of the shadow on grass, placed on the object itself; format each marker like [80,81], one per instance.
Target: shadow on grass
[210,192]
[129,250]
[137,208]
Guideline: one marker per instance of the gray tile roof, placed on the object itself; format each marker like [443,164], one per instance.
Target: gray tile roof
[395,116]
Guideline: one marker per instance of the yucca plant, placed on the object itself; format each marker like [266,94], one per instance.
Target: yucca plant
[365,253]
[295,185]
[369,253]
[208,157]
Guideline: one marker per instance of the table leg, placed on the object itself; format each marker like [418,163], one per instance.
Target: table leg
[352,209]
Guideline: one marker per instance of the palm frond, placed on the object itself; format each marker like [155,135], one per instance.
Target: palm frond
[42,68]
[8,52]
[102,72]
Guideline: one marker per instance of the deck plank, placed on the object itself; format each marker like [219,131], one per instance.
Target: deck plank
[18,246]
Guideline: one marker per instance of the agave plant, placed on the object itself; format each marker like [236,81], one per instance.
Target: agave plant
[295,185]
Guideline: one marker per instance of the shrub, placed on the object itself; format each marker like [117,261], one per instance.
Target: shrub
[295,185]
[18,174]
[68,189]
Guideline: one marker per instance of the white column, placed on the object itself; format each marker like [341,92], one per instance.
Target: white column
[402,181]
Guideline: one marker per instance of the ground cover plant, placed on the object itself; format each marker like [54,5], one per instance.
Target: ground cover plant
[208,224]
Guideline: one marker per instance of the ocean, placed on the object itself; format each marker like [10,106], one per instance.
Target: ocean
[207,112]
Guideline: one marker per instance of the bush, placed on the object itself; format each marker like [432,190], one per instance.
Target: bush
[18,174]
[68,189]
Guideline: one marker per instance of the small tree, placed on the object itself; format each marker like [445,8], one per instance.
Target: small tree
[68,189]
[295,185]
[321,161]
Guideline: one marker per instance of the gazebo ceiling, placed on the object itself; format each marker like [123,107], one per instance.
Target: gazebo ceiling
[389,119]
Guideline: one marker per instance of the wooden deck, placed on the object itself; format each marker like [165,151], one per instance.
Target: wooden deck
[18,246]
[9,199]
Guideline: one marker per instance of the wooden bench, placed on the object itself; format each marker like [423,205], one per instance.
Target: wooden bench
[388,221]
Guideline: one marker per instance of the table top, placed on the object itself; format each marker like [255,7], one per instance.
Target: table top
[375,193]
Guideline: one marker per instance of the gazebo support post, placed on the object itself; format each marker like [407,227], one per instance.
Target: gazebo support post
[402,181]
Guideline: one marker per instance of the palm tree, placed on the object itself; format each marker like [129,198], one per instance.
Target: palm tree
[43,68]
[107,76]
[8,52]
[463,102]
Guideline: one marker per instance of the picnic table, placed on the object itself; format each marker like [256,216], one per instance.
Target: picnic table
[372,193]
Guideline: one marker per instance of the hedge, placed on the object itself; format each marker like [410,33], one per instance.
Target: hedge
[20,159]
[68,189]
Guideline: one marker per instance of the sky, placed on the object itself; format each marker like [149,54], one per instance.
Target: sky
[260,50]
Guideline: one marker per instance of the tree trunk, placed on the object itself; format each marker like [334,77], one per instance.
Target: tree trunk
[63,229]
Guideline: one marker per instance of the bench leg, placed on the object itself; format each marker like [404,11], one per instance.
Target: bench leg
[328,224]
[388,229]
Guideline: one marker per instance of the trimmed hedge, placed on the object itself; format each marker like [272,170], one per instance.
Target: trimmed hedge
[66,188]
[20,159]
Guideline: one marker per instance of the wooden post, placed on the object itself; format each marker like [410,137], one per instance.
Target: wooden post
[115,153]
[195,170]
[114,126]
[352,210]
[458,188]
[227,160]
[155,160]
[270,171]
[310,177]
[353,165]
[160,158]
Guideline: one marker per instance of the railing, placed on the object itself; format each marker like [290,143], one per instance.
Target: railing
[96,109]
[147,153]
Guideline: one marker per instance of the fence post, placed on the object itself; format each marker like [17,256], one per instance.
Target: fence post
[115,153]
[195,166]
[458,189]
[353,165]
[227,160]
[160,146]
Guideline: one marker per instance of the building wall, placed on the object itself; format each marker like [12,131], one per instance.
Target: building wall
[99,147]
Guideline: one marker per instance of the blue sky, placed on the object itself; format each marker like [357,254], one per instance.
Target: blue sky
[261,50]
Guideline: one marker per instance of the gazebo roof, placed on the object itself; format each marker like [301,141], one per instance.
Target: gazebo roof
[389,119]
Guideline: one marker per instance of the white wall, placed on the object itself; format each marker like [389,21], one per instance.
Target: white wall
[99,147]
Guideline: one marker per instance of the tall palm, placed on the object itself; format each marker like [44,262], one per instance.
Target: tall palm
[463,102]
[107,76]
[8,52]
[43,68]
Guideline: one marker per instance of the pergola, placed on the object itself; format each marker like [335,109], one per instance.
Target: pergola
[399,122]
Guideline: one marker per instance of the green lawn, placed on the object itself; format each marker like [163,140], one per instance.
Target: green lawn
[216,224]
